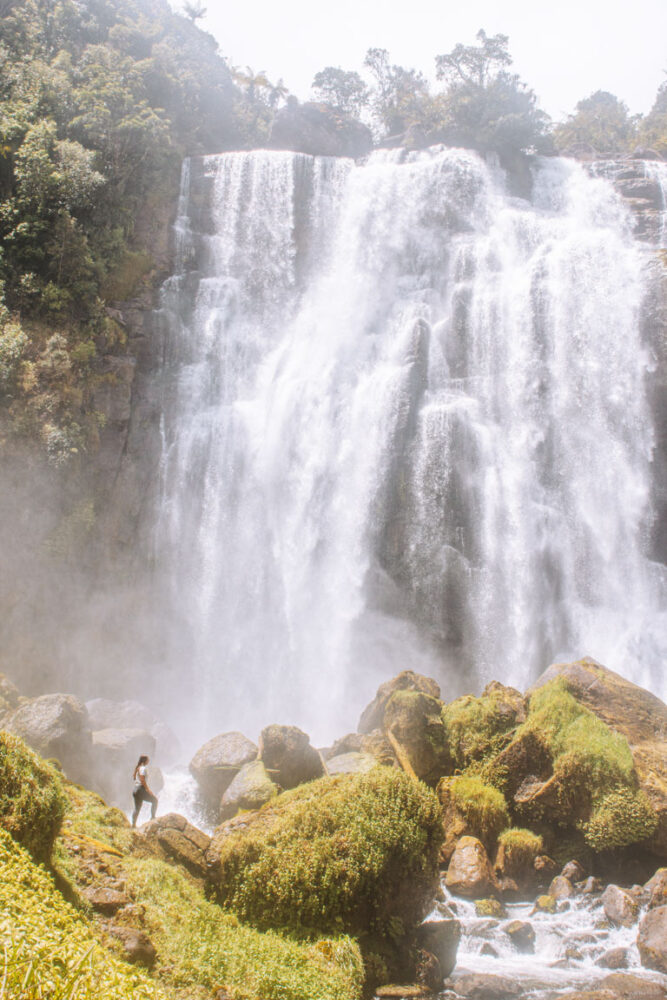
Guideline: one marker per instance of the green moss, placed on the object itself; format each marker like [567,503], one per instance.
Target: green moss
[483,807]
[49,949]
[479,728]
[355,853]
[545,904]
[490,908]
[620,818]
[199,944]
[520,848]
[32,801]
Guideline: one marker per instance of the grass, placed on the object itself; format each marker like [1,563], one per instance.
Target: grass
[50,951]
[355,854]
[32,800]
[483,807]
[520,848]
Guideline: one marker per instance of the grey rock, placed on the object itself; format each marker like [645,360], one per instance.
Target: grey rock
[181,842]
[251,788]
[288,756]
[561,888]
[218,761]
[351,763]
[373,715]
[55,725]
[619,906]
[482,986]
[574,872]
[105,900]
[615,958]
[441,938]
[656,889]
[522,935]
[652,939]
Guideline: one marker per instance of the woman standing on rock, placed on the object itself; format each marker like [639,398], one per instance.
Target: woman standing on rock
[141,792]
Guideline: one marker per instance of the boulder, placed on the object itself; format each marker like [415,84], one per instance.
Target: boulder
[522,935]
[615,958]
[351,763]
[656,889]
[288,756]
[415,728]
[428,972]
[441,938]
[628,987]
[320,130]
[114,757]
[574,872]
[490,908]
[104,713]
[250,789]
[516,859]
[410,991]
[374,743]
[469,872]
[652,939]
[472,808]
[137,946]
[545,904]
[634,713]
[545,869]
[561,888]
[180,842]
[619,906]
[105,900]
[484,986]
[55,725]
[373,715]
[217,762]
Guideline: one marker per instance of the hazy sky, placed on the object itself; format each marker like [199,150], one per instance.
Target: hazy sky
[564,50]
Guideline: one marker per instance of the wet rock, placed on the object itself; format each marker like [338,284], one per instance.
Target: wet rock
[545,868]
[428,971]
[373,715]
[55,725]
[320,130]
[351,763]
[561,888]
[629,987]
[619,906]
[590,886]
[218,761]
[106,900]
[574,872]
[585,994]
[137,946]
[481,986]
[615,958]
[652,939]
[288,756]
[104,713]
[441,938]
[545,904]
[508,888]
[402,992]
[522,935]
[490,908]
[656,889]
[488,949]
[414,727]
[180,842]
[250,789]
[470,873]
[573,954]
[374,743]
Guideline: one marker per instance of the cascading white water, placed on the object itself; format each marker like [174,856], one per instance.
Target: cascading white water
[405,425]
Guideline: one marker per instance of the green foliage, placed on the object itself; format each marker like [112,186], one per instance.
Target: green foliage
[345,91]
[483,807]
[202,945]
[478,728]
[520,848]
[400,97]
[620,818]
[601,127]
[49,949]
[355,854]
[32,802]
[653,129]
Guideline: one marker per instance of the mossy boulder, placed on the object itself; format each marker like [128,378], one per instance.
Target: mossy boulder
[472,808]
[250,789]
[373,715]
[288,757]
[55,725]
[413,724]
[355,854]
[478,728]
[32,800]
[518,850]
[217,762]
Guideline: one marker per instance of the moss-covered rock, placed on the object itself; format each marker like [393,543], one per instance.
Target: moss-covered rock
[518,850]
[478,728]
[413,724]
[355,853]
[473,808]
[620,818]
[407,680]
[32,801]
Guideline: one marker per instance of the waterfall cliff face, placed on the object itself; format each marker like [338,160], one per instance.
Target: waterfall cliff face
[405,424]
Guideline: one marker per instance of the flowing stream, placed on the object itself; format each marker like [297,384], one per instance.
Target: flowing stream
[405,424]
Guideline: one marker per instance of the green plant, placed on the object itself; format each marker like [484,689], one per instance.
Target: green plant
[620,818]
[478,728]
[520,848]
[483,807]
[32,801]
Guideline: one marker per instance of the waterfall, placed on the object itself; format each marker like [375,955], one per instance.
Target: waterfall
[405,425]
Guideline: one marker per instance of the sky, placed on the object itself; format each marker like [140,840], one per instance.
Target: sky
[563,50]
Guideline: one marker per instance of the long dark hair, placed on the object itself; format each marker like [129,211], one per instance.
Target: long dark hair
[142,760]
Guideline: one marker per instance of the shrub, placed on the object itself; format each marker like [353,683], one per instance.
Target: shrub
[355,853]
[482,806]
[202,945]
[520,848]
[32,801]
[621,818]
[49,950]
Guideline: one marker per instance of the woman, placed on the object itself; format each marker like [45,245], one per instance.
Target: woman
[141,792]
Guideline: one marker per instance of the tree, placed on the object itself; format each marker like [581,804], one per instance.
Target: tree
[600,127]
[194,10]
[486,107]
[344,91]
[653,129]
[401,97]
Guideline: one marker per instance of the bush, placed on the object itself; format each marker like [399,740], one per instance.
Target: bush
[32,801]
[520,848]
[482,806]
[621,818]
[49,950]
[356,853]
[204,946]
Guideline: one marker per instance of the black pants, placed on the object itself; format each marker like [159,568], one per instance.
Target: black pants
[141,796]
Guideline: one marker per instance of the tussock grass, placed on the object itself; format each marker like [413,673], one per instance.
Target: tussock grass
[520,848]
[483,807]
